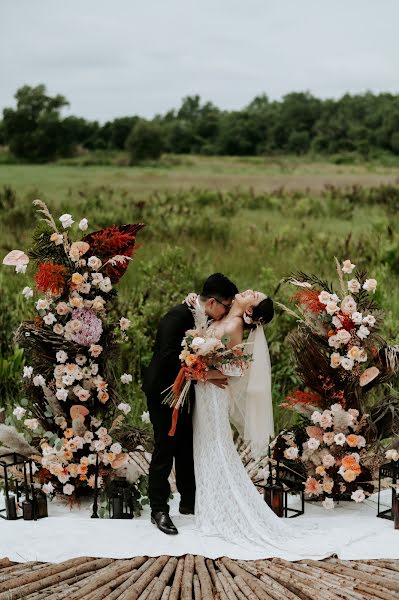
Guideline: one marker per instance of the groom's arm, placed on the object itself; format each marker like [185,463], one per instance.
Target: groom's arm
[171,332]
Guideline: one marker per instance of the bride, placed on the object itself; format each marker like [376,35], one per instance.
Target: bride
[227,503]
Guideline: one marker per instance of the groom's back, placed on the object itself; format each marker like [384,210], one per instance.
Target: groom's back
[165,363]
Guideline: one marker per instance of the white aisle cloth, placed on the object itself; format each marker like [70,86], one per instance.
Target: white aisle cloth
[69,533]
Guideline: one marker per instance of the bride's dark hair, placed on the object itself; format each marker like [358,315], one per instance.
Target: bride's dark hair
[262,313]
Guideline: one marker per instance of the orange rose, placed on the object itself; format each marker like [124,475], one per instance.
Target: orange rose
[349,461]
[350,475]
[352,440]
[68,433]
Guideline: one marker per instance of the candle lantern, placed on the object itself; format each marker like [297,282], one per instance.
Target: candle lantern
[388,470]
[21,494]
[120,500]
[293,483]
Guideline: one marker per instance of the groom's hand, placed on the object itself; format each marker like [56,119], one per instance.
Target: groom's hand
[217,378]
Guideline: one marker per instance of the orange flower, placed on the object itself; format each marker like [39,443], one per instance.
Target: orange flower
[103,397]
[348,461]
[320,470]
[312,487]
[328,486]
[68,433]
[350,475]
[68,455]
[352,440]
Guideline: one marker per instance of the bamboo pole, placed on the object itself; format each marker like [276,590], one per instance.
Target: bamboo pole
[187,578]
[231,595]
[104,590]
[166,593]
[249,579]
[164,578]
[204,578]
[107,574]
[246,590]
[146,594]
[139,586]
[197,588]
[176,585]
[55,574]
[275,589]
[216,582]
[134,576]
[226,573]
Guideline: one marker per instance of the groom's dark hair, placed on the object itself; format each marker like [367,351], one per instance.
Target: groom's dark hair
[218,286]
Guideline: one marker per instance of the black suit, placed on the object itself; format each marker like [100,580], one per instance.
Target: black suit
[161,373]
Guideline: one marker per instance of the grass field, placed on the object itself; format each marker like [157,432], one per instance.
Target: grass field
[255,219]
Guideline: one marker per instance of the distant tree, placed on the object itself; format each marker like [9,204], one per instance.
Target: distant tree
[144,142]
[34,130]
[119,131]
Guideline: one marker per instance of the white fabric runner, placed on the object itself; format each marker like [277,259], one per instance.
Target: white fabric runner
[69,533]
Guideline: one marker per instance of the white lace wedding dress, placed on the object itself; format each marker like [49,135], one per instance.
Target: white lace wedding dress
[227,503]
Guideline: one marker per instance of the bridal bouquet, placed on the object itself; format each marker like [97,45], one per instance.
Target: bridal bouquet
[69,341]
[202,352]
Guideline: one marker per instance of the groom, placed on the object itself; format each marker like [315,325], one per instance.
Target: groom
[217,295]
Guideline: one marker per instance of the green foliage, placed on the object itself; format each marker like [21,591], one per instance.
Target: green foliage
[34,130]
[144,142]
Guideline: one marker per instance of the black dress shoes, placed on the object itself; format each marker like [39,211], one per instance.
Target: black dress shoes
[186,510]
[163,521]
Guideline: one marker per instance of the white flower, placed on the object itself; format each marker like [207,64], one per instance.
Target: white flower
[335,360]
[362,441]
[68,379]
[315,417]
[19,412]
[347,363]
[57,238]
[370,285]
[370,320]
[27,292]
[335,408]
[21,268]
[126,378]
[49,319]
[362,332]
[32,424]
[105,285]
[324,297]
[340,439]
[348,305]
[80,359]
[58,329]
[358,495]
[116,448]
[336,321]
[328,504]
[97,278]
[357,317]
[98,445]
[392,455]
[347,267]
[124,323]
[61,356]
[334,342]
[328,460]
[94,263]
[125,408]
[68,489]
[27,372]
[83,224]
[39,380]
[42,304]
[48,488]
[353,286]
[66,220]
[145,417]
[61,394]
[291,453]
[313,444]
[343,336]
[332,307]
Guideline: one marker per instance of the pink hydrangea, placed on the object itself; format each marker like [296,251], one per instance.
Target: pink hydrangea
[91,327]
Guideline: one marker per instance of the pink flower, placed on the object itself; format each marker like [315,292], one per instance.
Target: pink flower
[90,329]
[312,487]
[328,438]
[95,350]
[328,460]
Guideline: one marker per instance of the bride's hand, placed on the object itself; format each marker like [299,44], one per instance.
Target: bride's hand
[190,299]
[217,378]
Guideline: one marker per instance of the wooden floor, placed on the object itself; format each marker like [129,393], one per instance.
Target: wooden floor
[197,578]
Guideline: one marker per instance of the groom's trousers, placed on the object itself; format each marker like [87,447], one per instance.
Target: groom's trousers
[166,448]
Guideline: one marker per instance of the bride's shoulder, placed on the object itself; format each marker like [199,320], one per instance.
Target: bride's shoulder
[234,324]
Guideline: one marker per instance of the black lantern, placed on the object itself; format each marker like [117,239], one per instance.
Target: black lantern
[390,470]
[120,500]
[34,503]
[276,491]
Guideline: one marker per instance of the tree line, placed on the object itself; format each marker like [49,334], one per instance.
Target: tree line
[299,123]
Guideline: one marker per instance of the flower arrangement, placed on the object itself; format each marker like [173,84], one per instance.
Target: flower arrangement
[331,450]
[340,357]
[201,352]
[69,342]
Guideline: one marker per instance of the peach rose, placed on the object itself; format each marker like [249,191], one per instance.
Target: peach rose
[328,486]
[350,475]
[352,440]
[77,279]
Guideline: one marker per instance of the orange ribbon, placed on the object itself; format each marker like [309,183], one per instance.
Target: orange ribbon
[177,386]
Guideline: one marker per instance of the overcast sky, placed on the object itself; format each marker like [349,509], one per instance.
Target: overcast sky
[125,57]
